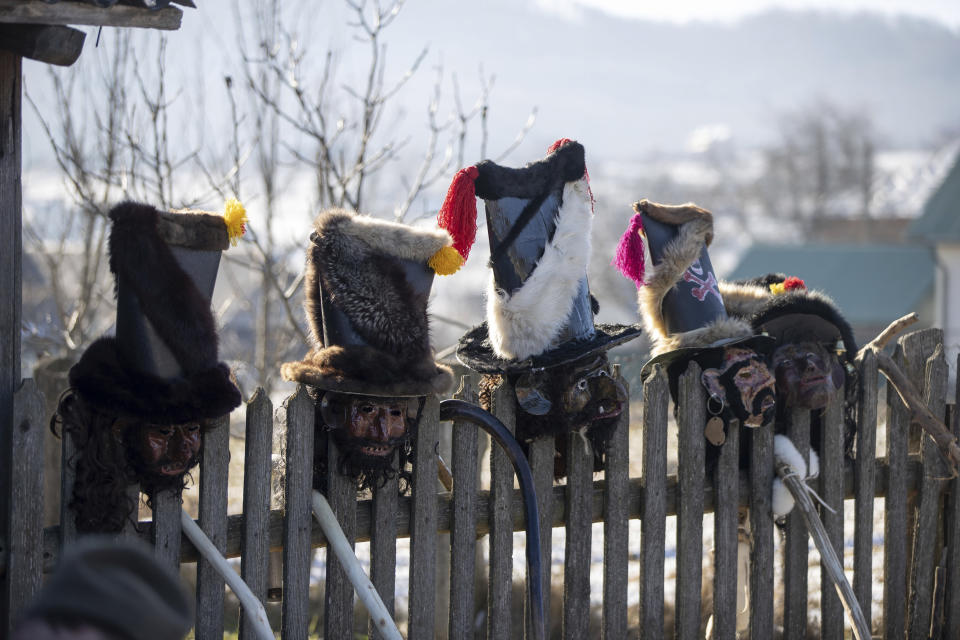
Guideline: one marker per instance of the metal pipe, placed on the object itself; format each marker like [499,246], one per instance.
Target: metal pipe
[460,410]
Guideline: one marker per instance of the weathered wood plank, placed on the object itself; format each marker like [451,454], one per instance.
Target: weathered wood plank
[690,468]
[165,528]
[35,12]
[25,544]
[616,524]
[796,543]
[865,471]
[761,531]
[423,526]
[257,465]
[463,539]
[653,509]
[725,520]
[383,544]
[895,515]
[500,581]
[51,44]
[831,490]
[951,608]
[68,476]
[576,556]
[542,456]
[213,521]
[298,412]
[10,286]
[338,595]
[926,551]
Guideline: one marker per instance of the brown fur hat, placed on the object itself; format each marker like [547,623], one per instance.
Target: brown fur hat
[367,284]
[179,314]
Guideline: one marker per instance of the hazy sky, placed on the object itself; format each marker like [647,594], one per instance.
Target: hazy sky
[946,11]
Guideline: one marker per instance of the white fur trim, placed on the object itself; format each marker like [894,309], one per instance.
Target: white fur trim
[785,451]
[528,322]
[394,238]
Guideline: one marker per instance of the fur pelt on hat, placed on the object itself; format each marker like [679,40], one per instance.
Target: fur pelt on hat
[355,260]
[528,321]
[678,255]
[106,382]
[179,314]
[566,164]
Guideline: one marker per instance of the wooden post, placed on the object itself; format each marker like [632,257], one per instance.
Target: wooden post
[423,525]
[795,547]
[213,521]
[690,467]
[500,583]
[463,537]
[10,295]
[653,510]
[256,501]
[865,473]
[338,594]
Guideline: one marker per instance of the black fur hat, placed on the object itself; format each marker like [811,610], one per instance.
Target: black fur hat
[785,309]
[367,284]
[162,366]
[539,307]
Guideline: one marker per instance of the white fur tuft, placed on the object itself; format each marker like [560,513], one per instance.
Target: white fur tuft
[785,451]
[528,322]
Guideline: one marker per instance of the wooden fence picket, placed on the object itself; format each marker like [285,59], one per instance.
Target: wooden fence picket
[338,594]
[257,485]
[213,521]
[500,579]
[423,526]
[576,558]
[616,524]
[463,537]
[653,509]
[865,474]
[951,608]
[691,461]
[895,514]
[796,543]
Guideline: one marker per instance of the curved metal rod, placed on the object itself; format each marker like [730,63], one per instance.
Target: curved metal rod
[460,410]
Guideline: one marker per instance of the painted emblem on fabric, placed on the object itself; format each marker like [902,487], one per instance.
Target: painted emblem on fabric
[704,286]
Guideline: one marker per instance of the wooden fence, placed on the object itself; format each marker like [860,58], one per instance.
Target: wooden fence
[921,515]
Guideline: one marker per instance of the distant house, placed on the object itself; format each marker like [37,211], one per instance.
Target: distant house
[880,269]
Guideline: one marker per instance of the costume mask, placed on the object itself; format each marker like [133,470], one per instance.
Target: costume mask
[367,431]
[807,375]
[743,383]
[164,450]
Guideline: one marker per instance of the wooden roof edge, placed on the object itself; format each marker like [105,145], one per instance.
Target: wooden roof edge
[72,13]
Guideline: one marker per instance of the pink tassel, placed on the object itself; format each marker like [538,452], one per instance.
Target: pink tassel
[629,256]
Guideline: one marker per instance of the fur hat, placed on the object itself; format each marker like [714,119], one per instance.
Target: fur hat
[539,217]
[162,366]
[678,294]
[785,309]
[367,285]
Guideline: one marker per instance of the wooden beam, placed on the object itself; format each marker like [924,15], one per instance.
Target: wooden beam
[10,291]
[51,44]
[39,12]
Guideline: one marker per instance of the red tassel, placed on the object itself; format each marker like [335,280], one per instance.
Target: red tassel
[792,283]
[458,214]
[629,256]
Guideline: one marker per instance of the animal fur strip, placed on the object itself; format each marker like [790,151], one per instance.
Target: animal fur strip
[529,321]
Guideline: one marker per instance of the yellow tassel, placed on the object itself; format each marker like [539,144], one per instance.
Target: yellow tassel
[777,288]
[446,261]
[236,218]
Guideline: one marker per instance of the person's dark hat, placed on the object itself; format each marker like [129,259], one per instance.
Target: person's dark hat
[783,308]
[539,217]
[367,284]
[119,586]
[162,366]
[678,293]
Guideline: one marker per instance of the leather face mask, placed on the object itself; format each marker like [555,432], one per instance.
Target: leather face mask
[164,450]
[372,427]
[807,375]
[744,386]
[565,399]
